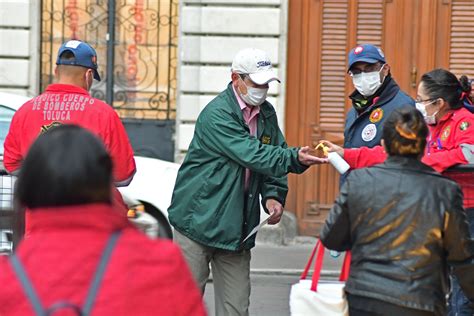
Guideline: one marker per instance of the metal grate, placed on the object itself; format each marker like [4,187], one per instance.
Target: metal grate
[142,62]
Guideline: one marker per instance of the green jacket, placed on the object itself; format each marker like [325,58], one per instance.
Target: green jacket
[209,204]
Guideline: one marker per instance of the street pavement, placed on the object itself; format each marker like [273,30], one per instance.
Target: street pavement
[273,270]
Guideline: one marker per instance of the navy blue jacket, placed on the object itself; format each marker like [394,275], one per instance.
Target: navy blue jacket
[365,129]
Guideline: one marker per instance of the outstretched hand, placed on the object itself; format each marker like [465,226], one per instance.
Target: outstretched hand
[307,159]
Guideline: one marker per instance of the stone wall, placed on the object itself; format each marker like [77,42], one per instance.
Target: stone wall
[211,33]
[19,46]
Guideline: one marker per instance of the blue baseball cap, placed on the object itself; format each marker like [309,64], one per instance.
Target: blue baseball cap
[366,53]
[84,56]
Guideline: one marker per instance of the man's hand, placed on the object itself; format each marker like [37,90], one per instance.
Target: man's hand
[308,160]
[275,209]
[333,148]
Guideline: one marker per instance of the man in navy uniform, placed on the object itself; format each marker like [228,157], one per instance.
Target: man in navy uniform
[375,96]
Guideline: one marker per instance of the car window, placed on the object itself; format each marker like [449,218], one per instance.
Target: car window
[6,115]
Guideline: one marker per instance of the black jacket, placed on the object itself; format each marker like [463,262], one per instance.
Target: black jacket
[405,225]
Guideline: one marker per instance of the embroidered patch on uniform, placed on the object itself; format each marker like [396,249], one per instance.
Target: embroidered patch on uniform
[464,125]
[445,133]
[376,115]
[46,128]
[266,139]
[369,132]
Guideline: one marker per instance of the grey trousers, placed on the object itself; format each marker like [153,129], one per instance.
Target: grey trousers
[230,272]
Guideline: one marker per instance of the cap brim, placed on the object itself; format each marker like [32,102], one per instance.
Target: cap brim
[365,60]
[264,77]
[96,75]
[74,63]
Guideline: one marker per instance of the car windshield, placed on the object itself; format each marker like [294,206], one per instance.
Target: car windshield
[6,115]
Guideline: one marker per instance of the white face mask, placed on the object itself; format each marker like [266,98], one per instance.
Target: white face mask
[367,83]
[254,96]
[429,119]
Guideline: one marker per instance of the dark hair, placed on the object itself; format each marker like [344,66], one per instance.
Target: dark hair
[405,132]
[440,83]
[466,87]
[67,165]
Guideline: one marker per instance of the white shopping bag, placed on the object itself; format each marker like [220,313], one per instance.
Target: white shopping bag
[312,297]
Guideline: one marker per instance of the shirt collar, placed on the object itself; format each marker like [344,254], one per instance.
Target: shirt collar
[66,88]
[96,216]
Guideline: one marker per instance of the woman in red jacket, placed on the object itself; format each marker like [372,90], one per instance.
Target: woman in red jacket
[83,255]
[407,234]
[440,98]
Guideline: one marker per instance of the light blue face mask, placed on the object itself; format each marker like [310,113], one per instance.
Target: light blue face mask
[429,119]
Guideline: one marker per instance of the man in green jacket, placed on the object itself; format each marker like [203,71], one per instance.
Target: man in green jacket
[237,154]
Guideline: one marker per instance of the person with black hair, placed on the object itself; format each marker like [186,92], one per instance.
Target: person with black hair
[442,99]
[83,254]
[406,233]
[466,96]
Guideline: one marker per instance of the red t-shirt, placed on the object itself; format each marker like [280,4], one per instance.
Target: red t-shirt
[68,104]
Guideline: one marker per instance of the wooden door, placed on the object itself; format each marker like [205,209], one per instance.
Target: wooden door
[415,35]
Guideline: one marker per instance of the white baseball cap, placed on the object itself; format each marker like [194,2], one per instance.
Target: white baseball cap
[256,64]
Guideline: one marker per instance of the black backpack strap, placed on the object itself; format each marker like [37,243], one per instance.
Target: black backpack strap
[91,294]
[99,274]
[27,286]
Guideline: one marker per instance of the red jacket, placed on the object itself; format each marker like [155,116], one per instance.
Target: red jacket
[443,150]
[143,276]
[68,104]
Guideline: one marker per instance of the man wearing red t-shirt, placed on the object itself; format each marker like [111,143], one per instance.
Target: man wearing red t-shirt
[69,102]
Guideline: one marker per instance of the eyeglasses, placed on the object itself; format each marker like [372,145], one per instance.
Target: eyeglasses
[426,100]
[367,68]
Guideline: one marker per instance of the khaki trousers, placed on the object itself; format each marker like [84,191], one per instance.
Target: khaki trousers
[230,271]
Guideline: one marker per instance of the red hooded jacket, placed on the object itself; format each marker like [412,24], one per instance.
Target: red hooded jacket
[143,277]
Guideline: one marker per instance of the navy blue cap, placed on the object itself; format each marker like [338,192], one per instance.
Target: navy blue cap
[366,53]
[84,54]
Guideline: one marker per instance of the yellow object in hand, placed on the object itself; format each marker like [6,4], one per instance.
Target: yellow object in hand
[324,148]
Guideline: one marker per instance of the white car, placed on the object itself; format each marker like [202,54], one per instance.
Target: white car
[150,190]
[153,186]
